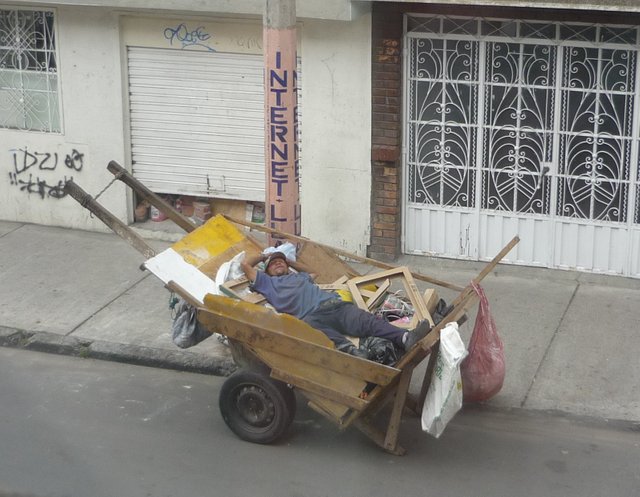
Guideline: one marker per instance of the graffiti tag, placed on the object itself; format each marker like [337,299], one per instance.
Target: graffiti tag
[188,38]
[40,186]
[25,163]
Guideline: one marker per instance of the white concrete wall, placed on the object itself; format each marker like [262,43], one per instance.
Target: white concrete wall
[336,132]
[92,119]
[341,10]
[336,175]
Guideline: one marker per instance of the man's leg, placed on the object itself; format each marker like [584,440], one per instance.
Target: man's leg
[326,322]
[361,323]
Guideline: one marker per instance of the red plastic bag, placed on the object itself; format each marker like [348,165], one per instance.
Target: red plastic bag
[483,369]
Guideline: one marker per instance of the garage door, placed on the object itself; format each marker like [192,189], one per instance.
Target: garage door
[197,122]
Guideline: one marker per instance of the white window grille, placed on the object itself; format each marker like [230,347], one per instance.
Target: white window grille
[494,104]
[29,97]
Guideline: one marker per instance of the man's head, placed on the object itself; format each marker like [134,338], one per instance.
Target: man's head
[276,264]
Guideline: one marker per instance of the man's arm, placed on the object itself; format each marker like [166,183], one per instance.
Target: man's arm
[247,266]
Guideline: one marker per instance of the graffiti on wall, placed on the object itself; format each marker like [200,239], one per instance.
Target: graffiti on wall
[33,171]
[186,37]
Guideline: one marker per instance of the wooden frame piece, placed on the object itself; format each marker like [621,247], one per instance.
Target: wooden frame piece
[420,308]
[239,289]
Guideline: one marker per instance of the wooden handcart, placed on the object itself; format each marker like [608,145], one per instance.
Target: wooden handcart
[278,353]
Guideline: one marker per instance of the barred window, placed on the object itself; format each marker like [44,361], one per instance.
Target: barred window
[29,97]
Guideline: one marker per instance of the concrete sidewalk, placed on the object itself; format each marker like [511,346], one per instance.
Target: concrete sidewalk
[571,339]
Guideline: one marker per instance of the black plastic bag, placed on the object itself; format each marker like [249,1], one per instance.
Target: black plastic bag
[381,350]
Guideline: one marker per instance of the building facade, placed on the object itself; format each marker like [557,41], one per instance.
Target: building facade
[491,121]
[173,91]
[435,128]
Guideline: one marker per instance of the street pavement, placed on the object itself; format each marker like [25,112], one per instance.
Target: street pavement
[571,339]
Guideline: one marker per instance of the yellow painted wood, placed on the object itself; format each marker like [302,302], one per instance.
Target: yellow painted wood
[211,239]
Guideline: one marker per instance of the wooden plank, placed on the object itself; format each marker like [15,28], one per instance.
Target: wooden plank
[365,426]
[488,268]
[343,253]
[262,328]
[326,265]
[238,288]
[336,386]
[332,287]
[117,226]
[356,296]
[420,310]
[378,294]
[393,428]
[431,298]
[174,287]
[158,202]
[426,381]
[331,410]
[414,294]
[311,386]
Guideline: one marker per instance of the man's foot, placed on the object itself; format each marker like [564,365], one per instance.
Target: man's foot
[354,351]
[417,334]
[442,310]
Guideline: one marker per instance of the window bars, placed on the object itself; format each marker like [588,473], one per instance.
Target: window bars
[28,71]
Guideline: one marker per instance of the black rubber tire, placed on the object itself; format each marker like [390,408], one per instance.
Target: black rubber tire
[256,407]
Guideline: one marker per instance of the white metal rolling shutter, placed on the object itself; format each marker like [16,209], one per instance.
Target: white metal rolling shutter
[197,122]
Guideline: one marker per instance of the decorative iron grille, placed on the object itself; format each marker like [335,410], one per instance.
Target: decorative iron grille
[28,71]
[532,97]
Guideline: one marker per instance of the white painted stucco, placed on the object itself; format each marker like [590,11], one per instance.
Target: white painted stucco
[336,132]
[92,121]
[337,10]
[336,178]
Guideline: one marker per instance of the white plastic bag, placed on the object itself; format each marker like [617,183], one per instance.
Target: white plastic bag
[230,270]
[287,248]
[444,398]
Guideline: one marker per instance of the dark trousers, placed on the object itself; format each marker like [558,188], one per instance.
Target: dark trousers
[338,318]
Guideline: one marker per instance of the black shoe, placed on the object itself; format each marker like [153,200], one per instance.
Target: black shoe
[354,351]
[417,334]
[441,312]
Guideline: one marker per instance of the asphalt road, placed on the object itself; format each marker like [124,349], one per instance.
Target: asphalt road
[79,427]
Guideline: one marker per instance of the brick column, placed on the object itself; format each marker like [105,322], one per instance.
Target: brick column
[386,127]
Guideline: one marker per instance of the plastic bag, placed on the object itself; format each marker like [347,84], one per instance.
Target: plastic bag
[287,248]
[186,331]
[444,397]
[230,270]
[380,350]
[483,370]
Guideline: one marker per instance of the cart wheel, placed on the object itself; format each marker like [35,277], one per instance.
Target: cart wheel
[255,407]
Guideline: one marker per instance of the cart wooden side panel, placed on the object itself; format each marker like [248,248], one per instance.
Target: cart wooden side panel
[297,354]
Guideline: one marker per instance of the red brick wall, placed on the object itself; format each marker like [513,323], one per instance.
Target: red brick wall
[386,130]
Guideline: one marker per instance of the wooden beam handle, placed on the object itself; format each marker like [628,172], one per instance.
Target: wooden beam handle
[123,175]
[118,227]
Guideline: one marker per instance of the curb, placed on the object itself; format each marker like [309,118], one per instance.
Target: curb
[42,341]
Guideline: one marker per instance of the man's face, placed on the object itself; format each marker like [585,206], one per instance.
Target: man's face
[277,268]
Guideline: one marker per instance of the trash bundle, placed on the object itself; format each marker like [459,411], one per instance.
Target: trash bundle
[483,370]
[186,331]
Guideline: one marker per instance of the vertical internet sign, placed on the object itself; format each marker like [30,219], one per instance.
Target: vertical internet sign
[281,125]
